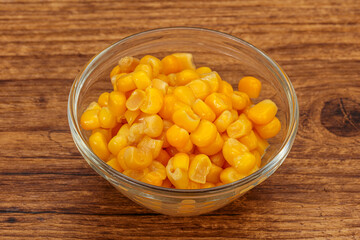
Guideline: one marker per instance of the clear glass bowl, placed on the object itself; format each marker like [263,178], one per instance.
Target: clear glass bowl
[232,58]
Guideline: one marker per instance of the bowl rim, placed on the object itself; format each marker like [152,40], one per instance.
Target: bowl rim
[85,150]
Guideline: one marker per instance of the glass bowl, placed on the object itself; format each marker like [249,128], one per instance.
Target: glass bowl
[232,58]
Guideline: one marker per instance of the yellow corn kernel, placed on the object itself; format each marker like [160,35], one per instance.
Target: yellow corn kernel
[199,168]
[154,62]
[262,144]
[225,88]
[167,109]
[153,101]
[263,112]
[233,148]
[115,164]
[103,99]
[224,136]
[170,64]
[186,76]
[229,175]
[106,118]
[163,157]
[150,145]
[136,132]
[212,79]
[146,68]
[136,174]
[185,95]
[128,64]
[193,185]
[205,134]
[161,85]
[214,147]
[240,127]
[114,80]
[117,143]
[218,159]
[114,71]
[141,79]
[178,177]
[135,158]
[244,163]
[180,105]
[214,174]
[186,119]
[116,103]
[125,83]
[185,60]
[218,102]
[166,183]
[224,120]
[90,120]
[257,157]
[203,110]
[249,140]
[163,77]
[201,89]
[181,160]
[177,136]
[251,86]
[172,80]
[130,116]
[188,148]
[98,144]
[270,129]
[93,106]
[203,70]
[152,178]
[124,130]
[170,90]
[105,132]
[153,125]
[239,100]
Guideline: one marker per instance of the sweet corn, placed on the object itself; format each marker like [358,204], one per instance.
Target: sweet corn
[154,62]
[131,116]
[240,127]
[214,174]
[136,174]
[218,102]
[105,132]
[117,101]
[181,160]
[249,140]
[153,101]
[188,148]
[218,159]
[229,175]
[178,177]
[232,149]
[93,106]
[208,185]
[114,71]
[251,86]
[117,143]
[201,89]
[103,99]
[224,136]
[262,144]
[124,130]
[163,157]
[263,112]
[128,64]
[141,79]
[234,114]
[170,64]
[152,178]
[106,118]
[224,120]
[193,185]
[185,95]
[146,68]
[185,60]
[214,147]
[163,77]
[90,120]
[115,164]
[158,167]
[186,76]
[203,70]
[135,158]
[244,163]
[186,119]
[257,157]
[203,110]
[199,168]
[161,85]
[225,88]
[212,79]
[125,83]
[98,144]
[205,134]
[136,132]
[269,130]
[167,109]
[150,145]
[177,136]
[172,80]
[239,100]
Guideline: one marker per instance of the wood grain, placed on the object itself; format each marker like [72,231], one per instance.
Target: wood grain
[47,191]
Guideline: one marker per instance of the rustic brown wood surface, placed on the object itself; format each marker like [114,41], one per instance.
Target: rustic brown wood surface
[47,191]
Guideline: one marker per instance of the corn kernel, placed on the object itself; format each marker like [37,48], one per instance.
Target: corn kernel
[251,86]
[158,167]
[163,77]
[199,168]
[106,118]
[117,143]
[116,103]
[203,70]
[205,134]
[225,88]
[167,109]
[153,101]
[90,120]
[146,68]
[203,110]
[170,64]
[136,174]
[224,136]
[229,175]
[193,185]
[240,127]
[188,148]
[150,145]
[136,132]
[131,116]
[128,64]
[244,163]
[214,147]
[114,71]
[214,174]
[135,158]
[163,157]
[233,148]
[154,62]
[186,119]
[257,157]
[177,136]
[172,80]
[93,106]
[269,130]
[224,120]
[181,160]
[263,112]
[141,79]
[152,178]
[185,95]
[201,89]
[186,76]
[178,177]
[105,132]
[98,144]
[218,159]
[262,144]
[115,164]
[218,102]
[161,85]
[103,99]
[125,83]
[124,130]
[185,60]
[153,125]
[239,100]
[212,79]
[249,140]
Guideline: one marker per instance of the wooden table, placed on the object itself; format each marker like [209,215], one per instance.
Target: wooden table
[47,191]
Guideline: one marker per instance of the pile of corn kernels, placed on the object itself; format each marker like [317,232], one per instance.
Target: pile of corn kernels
[170,124]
